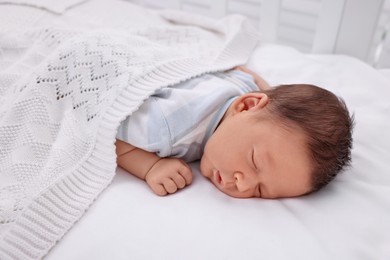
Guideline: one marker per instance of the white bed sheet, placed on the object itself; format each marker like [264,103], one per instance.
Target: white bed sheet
[349,219]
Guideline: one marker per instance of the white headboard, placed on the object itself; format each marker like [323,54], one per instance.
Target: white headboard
[315,26]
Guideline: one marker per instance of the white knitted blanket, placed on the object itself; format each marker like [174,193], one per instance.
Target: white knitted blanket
[63,94]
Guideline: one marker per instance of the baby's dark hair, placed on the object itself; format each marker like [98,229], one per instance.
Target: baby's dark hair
[325,121]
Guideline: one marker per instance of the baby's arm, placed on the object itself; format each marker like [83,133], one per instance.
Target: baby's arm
[163,175]
[260,82]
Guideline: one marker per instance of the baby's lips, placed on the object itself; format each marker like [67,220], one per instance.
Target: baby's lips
[217,177]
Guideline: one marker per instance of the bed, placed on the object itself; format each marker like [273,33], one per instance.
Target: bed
[349,219]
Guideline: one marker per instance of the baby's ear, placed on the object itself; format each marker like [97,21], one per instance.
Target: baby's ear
[251,101]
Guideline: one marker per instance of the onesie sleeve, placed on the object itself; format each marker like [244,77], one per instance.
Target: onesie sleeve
[147,129]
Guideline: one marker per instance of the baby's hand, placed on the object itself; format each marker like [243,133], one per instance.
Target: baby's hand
[168,175]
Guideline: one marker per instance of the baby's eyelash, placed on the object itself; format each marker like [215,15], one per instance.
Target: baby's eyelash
[253,159]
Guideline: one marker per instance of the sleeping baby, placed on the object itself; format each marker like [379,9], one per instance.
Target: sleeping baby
[252,140]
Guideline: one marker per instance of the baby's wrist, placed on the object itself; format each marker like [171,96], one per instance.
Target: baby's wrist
[151,167]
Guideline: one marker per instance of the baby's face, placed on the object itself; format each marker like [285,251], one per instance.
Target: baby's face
[247,158]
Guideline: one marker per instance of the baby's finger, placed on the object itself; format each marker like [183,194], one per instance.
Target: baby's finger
[170,186]
[159,189]
[179,180]
[186,172]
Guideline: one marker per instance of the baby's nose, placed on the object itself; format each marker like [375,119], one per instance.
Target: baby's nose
[242,183]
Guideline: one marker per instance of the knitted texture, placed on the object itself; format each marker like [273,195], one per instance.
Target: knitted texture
[53,6]
[58,123]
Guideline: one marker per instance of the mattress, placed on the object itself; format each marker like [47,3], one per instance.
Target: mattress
[346,220]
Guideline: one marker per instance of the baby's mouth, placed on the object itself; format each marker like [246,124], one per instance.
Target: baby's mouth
[217,177]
